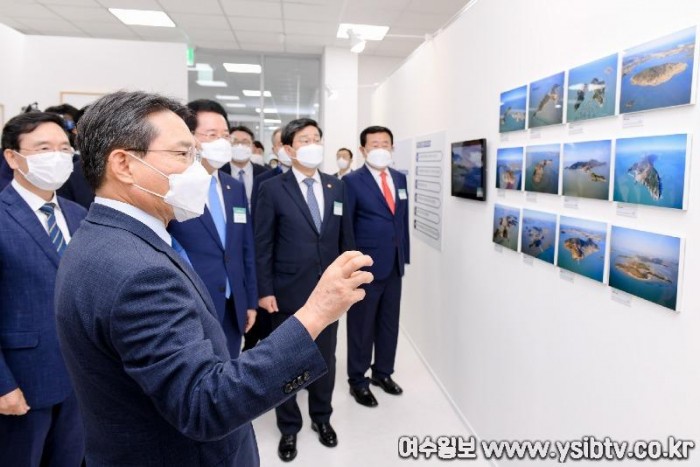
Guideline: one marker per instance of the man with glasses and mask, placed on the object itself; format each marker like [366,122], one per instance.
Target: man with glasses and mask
[39,418]
[139,333]
[242,169]
[300,228]
[219,243]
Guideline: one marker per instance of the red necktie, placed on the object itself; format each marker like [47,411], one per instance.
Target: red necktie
[387,193]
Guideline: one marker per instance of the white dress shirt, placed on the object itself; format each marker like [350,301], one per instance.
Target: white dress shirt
[220,192]
[317,187]
[378,178]
[142,216]
[35,202]
[247,178]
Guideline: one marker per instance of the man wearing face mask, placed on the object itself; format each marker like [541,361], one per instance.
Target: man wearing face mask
[258,152]
[241,168]
[39,417]
[219,243]
[344,161]
[378,204]
[138,330]
[300,228]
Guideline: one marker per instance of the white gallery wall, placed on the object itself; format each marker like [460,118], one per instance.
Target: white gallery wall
[523,353]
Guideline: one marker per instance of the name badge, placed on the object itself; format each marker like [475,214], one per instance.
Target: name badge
[402,193]
[337,208]
[239,215]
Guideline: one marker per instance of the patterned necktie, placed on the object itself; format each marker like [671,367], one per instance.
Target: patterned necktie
[313,203]
[241,177]
[217,213]
[54,232]
[387,193]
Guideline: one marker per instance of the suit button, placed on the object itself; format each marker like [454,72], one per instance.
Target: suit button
[288,388]
[299,381]
[306,376]
[295,385]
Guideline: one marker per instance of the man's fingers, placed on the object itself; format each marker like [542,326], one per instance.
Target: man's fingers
[355,263]
[273,304]
[347,256]
[357,295]
[360,277]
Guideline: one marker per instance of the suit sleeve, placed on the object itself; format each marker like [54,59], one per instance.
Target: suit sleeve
[251,280]
[406,232]
[265,230]
[347,234]
[156,329]
[7,380]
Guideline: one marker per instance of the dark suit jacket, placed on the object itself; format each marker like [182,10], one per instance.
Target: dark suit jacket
[148,359]
[6,173]
[378,233]
[215,262]
[268,174]
[29,355]
[77,188]
[291,254]
[257,170]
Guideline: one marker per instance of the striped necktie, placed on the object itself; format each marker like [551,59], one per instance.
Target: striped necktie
[313,203]
[54,232]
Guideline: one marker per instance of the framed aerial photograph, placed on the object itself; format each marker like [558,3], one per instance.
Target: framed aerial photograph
[645,264]
[586,169]
[546,101]
[468,169]
[539,235]
[592,90]
[509,168]
[513,110]
[542,168]
[582,245]
[659,73]
[506,225]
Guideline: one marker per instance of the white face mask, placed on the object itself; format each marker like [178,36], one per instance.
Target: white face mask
[48,170]
[188,190]
[343,163]
[257,159]
[241,152]
[218,152]
[310,156]
[284,158]
[379,158]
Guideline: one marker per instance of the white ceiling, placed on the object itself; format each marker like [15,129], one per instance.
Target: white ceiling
[273,26]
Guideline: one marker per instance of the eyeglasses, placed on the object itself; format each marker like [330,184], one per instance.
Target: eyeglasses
[244,142]
[189,155]
[305,141]
[63,149]
[211,136]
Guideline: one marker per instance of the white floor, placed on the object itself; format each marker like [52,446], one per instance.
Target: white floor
[368,437]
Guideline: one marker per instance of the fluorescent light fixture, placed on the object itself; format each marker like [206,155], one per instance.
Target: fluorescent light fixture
[201,67]
[242,68]
[255,93]
[365,31]
[266,110]
[155,18]
[317,105]
[357,44]
[272,120]
[208,83]
[227,98]
[235,105]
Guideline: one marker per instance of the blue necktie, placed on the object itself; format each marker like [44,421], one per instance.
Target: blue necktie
[217,213]
[54,232]
[241,179]
[313,203]
[180,251]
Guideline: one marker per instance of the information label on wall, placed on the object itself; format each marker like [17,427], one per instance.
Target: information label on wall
[431,161]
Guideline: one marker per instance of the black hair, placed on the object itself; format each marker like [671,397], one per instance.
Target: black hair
[25,123]
[244,129]
[344,149]
[205,105]
[370,130]
[295,126]
[258,145]
[64,109]
[119,120]
[80,114]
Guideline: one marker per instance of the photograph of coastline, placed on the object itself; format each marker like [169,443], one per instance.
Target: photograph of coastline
[513,110]
[645,264]
[582,247]
[509,168]
[538,235]
[546,101]
[659,73]
[592,90]
[651,170]
[506,224]
[542,168]
[586,169]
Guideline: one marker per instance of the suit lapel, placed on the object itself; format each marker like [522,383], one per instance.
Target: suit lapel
[372,184]
[208,222]
[395,178]
[328,199]
[290,184]
[72,222]
[228,207]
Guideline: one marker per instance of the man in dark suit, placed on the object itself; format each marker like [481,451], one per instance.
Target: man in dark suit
[300,228]
[39,418]
[5,174]
[219,243]
[378,205]
[139,332]
[344,160]
[241,168]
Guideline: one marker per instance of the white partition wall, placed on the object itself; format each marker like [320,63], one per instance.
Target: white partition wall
[523,353]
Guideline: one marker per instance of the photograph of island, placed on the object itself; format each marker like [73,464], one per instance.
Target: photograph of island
[659,73]
[651,170]
[546,101]
[538,235]
[542,168]
[506,224]
[513,110]
[586,169]
[582,246]
[509,168]
[592,90]
[645,264]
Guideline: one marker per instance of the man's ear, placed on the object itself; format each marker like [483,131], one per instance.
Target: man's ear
[119,167]
[11,158]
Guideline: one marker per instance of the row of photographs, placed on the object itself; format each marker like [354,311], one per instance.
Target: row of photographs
[640,263]
[654,75]
[650,170]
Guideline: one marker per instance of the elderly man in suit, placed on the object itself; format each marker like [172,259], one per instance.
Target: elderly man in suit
[139,332]
[300,228]
[39,419]
[219,243]
[378,205]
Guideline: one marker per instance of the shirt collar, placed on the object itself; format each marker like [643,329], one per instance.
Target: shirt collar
[32,199]
[248,168]
[377,173]
[301,177]
[142,216]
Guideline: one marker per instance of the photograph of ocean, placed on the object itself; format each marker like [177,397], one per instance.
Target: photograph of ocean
[506,224]
[546,101]
[509,168]
[538,235]
[592,90]
[582,246]
[586,172]
[542,168]
[513,110]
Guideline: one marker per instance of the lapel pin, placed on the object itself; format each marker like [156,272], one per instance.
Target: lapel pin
[330,186]
[228,187]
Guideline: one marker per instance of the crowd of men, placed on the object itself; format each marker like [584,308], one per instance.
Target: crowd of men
[163,282]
